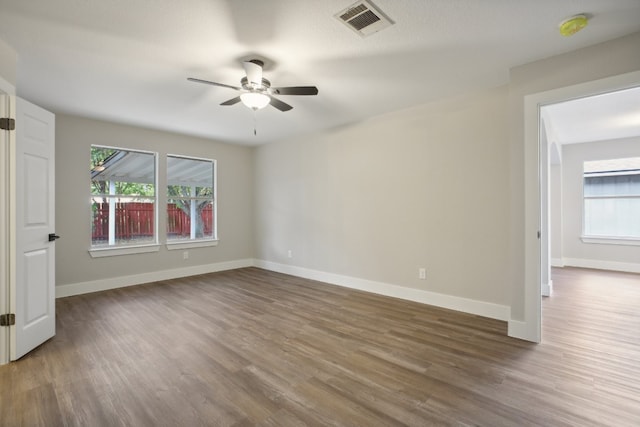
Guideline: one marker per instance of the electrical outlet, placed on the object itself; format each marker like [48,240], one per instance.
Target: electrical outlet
[185,255]
[422,273]
[289,254]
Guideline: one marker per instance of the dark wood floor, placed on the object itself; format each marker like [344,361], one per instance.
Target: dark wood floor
[251,347]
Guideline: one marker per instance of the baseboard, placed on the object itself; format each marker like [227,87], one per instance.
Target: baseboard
[546,289]
[523,330]
[557,262]
[137,279]
[602,265]
[480,308]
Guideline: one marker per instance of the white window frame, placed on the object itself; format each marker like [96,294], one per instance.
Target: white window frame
[129,249]
[194,242]
[601,239]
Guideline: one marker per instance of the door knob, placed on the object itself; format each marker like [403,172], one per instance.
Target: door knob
[53,237]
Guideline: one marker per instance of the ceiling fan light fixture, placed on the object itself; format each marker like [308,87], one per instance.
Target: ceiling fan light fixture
[255,100]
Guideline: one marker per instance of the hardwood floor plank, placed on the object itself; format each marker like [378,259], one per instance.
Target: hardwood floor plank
[251,347]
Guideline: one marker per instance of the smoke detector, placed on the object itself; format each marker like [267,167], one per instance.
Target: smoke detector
[572,25]
[364,18]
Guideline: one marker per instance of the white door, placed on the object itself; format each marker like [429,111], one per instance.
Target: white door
[32,225]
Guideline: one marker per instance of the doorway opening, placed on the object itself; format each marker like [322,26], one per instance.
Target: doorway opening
[537,191]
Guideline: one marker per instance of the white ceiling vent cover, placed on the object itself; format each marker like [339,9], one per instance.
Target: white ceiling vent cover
[364,18]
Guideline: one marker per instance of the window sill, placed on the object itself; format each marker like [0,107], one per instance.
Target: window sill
[603,240]
[123,250]
[188,244]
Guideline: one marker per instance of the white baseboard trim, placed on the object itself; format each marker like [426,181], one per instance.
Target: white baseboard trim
[602,265]
[522,330]
[138,279]
[547,288]
[480,308]
[557,262]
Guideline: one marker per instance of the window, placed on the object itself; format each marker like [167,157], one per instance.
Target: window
[191,203]
[612,198]
[123,198]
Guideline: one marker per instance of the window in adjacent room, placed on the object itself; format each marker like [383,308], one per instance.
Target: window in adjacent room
[123,198]
[191,199]
[612,198]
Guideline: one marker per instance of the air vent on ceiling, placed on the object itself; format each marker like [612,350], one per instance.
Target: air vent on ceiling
[364,18]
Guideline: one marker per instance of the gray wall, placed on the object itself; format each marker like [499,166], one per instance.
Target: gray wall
[423,187]
[74,137]
[8,61]
[555,220]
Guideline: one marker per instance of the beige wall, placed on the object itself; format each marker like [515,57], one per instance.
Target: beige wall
[75,135]
[596,62]
[423,187]
[574,250]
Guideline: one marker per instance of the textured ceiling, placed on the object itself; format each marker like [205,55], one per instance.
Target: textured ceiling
[128,61]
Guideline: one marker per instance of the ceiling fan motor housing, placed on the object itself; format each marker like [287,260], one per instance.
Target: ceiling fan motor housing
[266,84]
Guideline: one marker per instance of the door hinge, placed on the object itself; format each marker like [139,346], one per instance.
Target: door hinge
[7,123]
[7,319]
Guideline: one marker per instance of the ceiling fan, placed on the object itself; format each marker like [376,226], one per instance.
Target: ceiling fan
[257,92]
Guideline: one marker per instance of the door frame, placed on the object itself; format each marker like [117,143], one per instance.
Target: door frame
[5,89]
[536,184]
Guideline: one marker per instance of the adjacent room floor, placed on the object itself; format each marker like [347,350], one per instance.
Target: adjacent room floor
[251,347]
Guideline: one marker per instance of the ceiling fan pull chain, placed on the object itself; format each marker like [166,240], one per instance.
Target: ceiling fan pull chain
[255,133]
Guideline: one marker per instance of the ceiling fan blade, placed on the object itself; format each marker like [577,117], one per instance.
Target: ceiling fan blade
[282,106]
[254,72]
[232,101]
[191,79]
[295,90]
